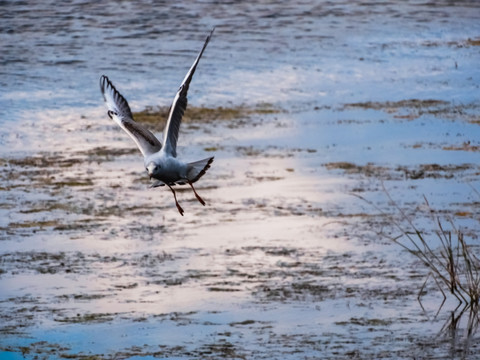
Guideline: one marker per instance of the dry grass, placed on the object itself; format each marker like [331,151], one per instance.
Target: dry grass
[453,266]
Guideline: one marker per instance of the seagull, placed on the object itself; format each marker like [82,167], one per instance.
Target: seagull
[160,161]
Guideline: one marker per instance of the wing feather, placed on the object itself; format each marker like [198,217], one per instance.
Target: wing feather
[119,111]
[179,106]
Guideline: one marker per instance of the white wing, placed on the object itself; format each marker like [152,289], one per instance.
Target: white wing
[119,111]
[178,107]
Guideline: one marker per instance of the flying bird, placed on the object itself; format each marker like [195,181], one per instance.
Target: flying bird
[160,160]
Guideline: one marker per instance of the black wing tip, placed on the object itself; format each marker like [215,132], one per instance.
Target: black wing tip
[207,40]
[104,83]
[211,33]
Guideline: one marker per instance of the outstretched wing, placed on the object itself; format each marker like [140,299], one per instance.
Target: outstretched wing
[119,111]
[178,107]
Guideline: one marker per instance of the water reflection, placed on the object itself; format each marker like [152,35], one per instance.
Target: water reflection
[63,49]
[283,260]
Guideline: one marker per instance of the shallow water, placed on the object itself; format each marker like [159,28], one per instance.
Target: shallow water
[283,262]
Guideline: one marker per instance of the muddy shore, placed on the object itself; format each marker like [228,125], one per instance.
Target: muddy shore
[283,260]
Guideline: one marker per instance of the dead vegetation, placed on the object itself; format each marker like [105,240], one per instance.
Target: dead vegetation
[453,265]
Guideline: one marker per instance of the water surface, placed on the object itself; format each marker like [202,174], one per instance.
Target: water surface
[283,262]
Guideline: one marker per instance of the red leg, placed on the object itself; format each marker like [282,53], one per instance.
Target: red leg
[196,195]
[179,208]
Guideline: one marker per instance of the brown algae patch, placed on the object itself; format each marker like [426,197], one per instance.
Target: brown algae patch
[44,350]
[421,171]
[404,109]
[473,42]
[88,318]
[369,169]
[42,160]
[412,109]
[78,262]
[456,43]
[33,224]
[156,117]
[366,322]
[44,164]
[103,153]
[271,151]
[393,106]
[466,146]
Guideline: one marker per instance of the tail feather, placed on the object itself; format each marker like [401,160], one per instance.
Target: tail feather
[197,169]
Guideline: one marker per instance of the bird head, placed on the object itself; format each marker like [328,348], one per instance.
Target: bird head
[153,169]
